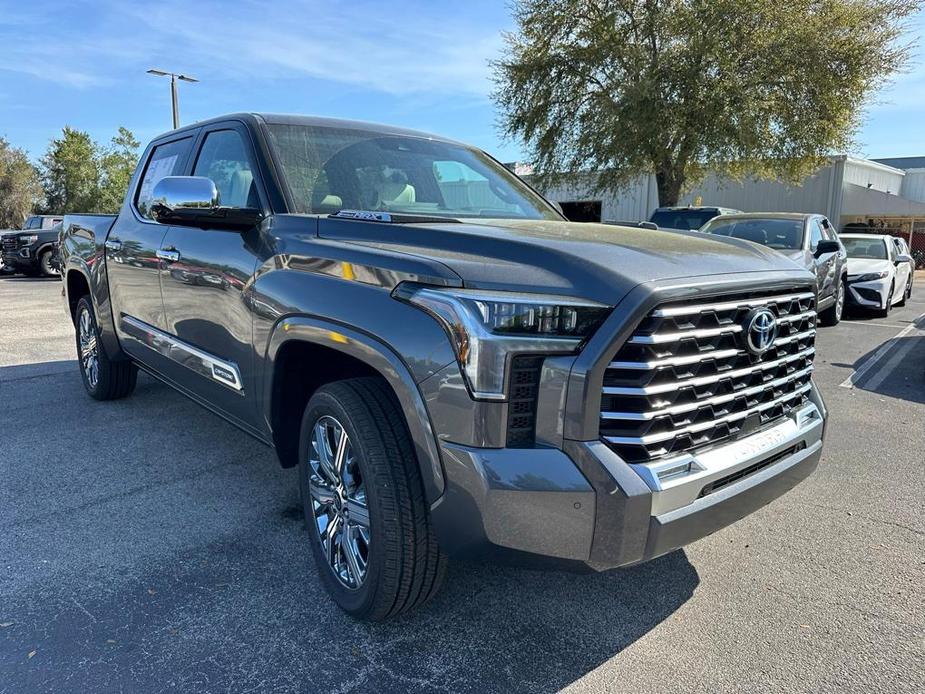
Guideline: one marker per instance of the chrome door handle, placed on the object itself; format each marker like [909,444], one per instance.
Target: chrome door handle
[113,245]
[168,256]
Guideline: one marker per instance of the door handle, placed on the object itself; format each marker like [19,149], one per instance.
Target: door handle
[168,255]
[113,245]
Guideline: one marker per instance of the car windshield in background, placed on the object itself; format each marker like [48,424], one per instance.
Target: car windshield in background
[686,220]
[865,248]
[330,169]
[780,234]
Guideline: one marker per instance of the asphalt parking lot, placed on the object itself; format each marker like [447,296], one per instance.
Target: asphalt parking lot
[146,545]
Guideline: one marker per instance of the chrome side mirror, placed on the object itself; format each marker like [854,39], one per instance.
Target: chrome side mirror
[195,201]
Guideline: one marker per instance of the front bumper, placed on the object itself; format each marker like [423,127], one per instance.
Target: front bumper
[585,506]
[872,294]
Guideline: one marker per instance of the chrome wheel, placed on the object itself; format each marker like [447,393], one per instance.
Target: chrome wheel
[89,349]
[338,494]
[840,301]
[47,268]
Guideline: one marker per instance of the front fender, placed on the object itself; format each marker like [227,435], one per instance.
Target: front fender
[380,357]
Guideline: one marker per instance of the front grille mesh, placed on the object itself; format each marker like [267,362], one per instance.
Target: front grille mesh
[521,420]
[10,243]
[685,379]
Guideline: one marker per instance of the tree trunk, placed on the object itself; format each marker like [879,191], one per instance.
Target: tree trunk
[669,185]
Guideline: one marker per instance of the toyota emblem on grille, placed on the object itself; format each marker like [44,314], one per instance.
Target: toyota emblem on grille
[760,330]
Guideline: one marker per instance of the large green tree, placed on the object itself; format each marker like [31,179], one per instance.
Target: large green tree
[117,164]
[679,87]
[20,188]
[71,173]
[80,175]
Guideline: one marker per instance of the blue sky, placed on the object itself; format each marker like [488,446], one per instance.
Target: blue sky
[413,63]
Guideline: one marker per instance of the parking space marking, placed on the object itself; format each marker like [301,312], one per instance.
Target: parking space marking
[891,364]
[871,324]
[859,373]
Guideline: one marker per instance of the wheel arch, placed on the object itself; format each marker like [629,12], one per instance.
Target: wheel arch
[338,352]
[76,286]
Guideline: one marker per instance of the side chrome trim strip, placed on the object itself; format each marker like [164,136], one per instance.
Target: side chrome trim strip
[193,358]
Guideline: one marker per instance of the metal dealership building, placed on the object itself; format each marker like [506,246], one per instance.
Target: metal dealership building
[882,196]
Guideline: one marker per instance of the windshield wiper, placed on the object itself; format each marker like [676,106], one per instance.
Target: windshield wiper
[391,217]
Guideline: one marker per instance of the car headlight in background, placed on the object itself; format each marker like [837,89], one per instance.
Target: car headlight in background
[871,276]
[28,240]
[486,327]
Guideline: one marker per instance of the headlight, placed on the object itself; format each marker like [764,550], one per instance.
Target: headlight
[870,276]
[487,327]
[28,240]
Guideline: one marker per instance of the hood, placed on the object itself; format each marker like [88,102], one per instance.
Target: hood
[861,266]
[595,261]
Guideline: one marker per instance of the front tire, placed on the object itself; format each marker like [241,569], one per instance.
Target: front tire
[884,312]
[104,378]
[46,267]
[832,315]
[363,500]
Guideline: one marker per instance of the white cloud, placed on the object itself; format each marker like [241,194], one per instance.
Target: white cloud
[394,48]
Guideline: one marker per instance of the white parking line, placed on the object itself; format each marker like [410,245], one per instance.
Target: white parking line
[871,362]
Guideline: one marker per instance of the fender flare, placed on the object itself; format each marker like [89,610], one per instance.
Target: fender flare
[387,363]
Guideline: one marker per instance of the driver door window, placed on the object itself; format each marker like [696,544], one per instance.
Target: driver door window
[223,158]
[815,230]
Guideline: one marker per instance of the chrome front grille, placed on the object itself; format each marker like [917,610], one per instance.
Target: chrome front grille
[685,379]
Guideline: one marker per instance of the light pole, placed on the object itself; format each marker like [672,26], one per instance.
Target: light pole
[173,91]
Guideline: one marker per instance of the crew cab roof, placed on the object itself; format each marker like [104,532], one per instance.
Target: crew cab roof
[318,121]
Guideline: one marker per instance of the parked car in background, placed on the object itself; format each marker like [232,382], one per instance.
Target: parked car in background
[808,239]
[902,249]
[687,218]
[402,318]
[879,276]
[32,250]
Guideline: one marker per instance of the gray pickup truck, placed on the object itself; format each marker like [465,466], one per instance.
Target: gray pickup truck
[453,368]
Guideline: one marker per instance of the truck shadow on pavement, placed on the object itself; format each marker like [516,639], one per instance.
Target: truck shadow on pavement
[149,546]
[899,373]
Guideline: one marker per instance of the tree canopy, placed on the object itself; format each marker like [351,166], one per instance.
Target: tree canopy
[80,175]
[679,87]
[19,186]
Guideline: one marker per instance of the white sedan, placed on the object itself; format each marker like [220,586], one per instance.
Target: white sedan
[879,277]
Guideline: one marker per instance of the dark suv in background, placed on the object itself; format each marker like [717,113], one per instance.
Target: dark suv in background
[32,249]
[686,218]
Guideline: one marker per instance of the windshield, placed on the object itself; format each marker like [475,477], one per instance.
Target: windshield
[687,220]
[865,248]
[780,234]
[330,169]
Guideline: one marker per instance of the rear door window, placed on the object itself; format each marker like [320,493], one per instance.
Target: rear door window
[165,160]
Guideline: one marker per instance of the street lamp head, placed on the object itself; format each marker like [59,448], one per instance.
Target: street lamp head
[187,78]
[159,73]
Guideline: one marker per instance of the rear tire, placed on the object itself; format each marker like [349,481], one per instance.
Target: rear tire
[104,378]
[381,557]
[832,315]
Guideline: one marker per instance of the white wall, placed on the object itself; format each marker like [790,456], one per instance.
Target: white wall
[914,185]
[634,203]
[817,193]
[872,175]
